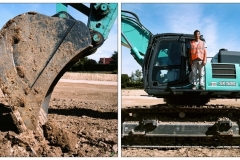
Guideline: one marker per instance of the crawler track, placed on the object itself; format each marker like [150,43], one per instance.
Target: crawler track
[181,126]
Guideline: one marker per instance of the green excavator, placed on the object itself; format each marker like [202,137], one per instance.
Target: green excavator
[186,119]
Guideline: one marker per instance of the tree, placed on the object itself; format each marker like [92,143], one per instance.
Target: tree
[79,64]
[124,78]
[86,61]
[114,58]
[132,77]
[137,76]
[83,60]
[90,62]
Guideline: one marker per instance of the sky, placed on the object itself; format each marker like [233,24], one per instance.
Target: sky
[9,11]
[219,23]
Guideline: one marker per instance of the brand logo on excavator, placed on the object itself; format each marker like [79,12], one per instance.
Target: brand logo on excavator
[226,83]
[223,83]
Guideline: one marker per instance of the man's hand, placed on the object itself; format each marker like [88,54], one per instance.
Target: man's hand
[203,63]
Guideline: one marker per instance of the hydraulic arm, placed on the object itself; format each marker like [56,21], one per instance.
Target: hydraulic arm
[101,16]
[134,35]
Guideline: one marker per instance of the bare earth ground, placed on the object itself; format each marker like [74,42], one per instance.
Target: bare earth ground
[139,97]
[82,121]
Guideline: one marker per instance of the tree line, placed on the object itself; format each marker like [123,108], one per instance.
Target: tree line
[133,81]
[90,65]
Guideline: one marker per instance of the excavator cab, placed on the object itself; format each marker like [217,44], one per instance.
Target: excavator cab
[167,73]
[166,63]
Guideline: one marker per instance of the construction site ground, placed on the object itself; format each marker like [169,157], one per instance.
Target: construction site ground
[139,97]
[82,121]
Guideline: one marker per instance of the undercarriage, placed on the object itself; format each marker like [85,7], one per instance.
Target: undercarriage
[179,126]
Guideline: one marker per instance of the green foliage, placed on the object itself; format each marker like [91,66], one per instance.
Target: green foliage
[90,62]
[127,82]
[137,76]
[114,58]
[124,78]
[123,86]
[138,85]
[114,61]
[95,67]
[115,72]
[90,65]
[83,60]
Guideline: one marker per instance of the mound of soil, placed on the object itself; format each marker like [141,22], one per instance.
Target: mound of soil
[82,121]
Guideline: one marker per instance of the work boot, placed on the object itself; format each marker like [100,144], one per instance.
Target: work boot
[194,87]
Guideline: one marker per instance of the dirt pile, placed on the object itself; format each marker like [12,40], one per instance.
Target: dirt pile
[82,121]
[27,144]
[59,137]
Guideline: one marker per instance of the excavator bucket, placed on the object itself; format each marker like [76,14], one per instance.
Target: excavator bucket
[35,51]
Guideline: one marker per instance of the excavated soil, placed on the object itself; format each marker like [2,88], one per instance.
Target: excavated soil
[82,121]
[139,97]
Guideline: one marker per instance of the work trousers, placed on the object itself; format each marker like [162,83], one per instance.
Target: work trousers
[198,72]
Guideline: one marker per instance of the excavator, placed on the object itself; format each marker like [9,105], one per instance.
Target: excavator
[36,50]
[186,118]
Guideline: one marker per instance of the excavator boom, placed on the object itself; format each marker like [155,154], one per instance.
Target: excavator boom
[134,35]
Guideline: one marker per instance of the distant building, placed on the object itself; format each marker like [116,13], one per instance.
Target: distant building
[105,60]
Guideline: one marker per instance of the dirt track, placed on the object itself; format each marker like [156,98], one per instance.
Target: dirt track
[82,121]
[139,97]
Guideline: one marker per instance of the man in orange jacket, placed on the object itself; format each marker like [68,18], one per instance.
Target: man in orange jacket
[197,59]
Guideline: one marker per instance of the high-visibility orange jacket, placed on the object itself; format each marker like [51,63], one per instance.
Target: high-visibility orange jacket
[198,50]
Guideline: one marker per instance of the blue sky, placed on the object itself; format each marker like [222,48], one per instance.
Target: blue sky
[219,24]
[9,11]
